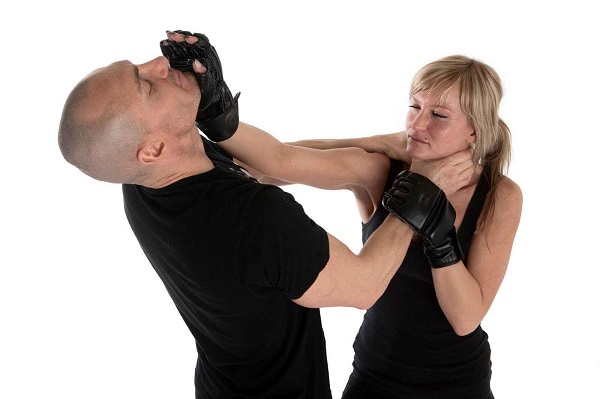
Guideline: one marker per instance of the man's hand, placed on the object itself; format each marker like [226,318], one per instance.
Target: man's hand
[218,115]
[450,173]
[422,205]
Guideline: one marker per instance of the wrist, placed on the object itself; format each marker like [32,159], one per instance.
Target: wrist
[394,146]
[224,125]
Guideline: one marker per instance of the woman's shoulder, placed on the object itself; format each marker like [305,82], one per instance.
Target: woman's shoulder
[508,200]
[508,190]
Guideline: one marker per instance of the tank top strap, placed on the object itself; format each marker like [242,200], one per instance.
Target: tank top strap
[395,168]
[381,213]
[468,225]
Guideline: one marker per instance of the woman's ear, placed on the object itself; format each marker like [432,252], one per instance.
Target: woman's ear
[472,138]
[150,152]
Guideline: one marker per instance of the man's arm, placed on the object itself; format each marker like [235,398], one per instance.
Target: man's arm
[359,280]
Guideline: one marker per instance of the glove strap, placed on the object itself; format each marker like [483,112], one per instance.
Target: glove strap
[223,126]
[447,253]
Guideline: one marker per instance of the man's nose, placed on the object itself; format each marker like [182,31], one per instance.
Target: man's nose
[156,68]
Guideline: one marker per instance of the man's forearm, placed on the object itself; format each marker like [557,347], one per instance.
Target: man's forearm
[383,254]
[359,280]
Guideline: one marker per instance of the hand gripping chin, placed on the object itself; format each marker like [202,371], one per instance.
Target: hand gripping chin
[422,205]
[218,115]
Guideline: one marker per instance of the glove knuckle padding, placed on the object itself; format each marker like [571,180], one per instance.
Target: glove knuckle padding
[421,204]
[424,207]
[217,113]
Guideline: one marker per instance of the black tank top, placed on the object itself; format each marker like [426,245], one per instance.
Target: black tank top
[406,345]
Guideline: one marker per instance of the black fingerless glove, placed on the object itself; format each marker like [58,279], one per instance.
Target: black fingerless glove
[218,115]
[422,205]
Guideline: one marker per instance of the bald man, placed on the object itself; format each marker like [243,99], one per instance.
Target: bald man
[246,267]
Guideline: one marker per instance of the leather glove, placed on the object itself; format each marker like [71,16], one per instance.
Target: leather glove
[422,205]
[218,115]
[446,253]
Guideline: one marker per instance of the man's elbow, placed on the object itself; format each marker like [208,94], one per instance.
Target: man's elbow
[364,305]
[464,327]
[362,300]
[367,298]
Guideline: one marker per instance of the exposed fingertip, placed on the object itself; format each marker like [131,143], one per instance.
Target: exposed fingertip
[198,67]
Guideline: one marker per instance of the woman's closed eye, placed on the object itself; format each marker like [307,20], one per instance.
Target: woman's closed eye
[434,113]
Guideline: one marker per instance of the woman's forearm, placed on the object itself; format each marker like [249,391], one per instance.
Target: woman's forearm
[392,145]
[460,297]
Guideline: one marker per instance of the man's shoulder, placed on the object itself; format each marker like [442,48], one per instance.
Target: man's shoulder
[273,199]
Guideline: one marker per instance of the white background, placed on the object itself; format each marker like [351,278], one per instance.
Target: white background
[82,313]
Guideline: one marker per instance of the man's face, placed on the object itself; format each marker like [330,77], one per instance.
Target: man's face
[163,99]
[170,98]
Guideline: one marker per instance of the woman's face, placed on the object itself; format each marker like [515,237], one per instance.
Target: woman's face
[436,130]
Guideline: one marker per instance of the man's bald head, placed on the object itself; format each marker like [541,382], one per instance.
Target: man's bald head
[100,130]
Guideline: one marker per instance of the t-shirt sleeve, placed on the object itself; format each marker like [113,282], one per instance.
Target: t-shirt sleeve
[283,248]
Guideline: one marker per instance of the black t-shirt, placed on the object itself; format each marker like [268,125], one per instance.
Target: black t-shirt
[232,253]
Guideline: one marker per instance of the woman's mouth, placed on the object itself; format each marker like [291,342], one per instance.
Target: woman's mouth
[418,140]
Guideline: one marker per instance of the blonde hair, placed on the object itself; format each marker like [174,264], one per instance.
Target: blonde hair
[480,94]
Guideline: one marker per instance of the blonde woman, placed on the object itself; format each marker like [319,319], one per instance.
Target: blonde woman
[423,339]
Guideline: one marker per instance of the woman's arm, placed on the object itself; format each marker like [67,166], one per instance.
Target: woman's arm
[353,169]
[465,294]
[392,145]
[261,177]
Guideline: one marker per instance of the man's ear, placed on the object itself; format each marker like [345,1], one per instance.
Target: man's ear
[150,152]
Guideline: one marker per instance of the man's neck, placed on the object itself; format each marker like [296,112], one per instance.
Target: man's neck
[191,163]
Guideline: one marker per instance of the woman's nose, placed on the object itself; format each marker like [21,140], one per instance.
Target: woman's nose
[419,121]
